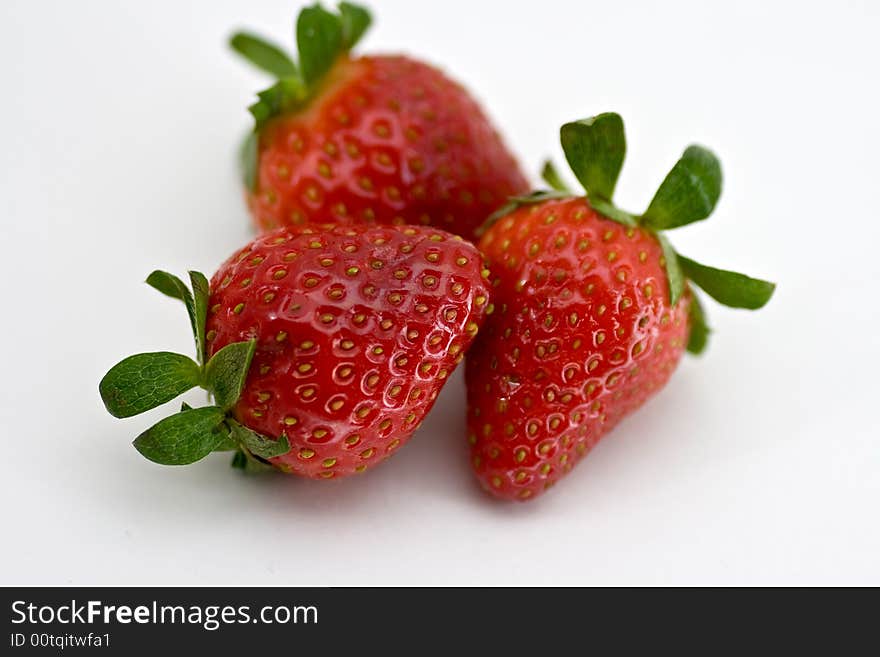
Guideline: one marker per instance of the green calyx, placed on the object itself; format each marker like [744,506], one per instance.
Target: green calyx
[322,37]
[142,382]
[595,149]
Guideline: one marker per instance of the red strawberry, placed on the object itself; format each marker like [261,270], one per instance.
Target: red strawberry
[593,313]
[346,334]
[380,139]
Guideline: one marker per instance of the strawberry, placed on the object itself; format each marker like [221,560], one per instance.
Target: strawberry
[323,347]
[380,139]
[594,311]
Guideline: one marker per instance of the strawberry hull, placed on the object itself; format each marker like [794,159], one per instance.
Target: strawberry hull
[583,334]
[357,330]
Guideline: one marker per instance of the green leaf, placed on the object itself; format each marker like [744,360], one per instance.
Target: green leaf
[170,285]
[595,149]
[673,269]
[227,370]
[183,438]
[728,288]
[201,294]
[258,445]
[145,381]
[611,211]
[319,38]
[239,460]
[248,160]
[229,442]
[551,176]
[281,96]
[270,102]
[688,193]
[515,202]
[226,445]
[355,21]
[249,464]
[262,54]
[699,335]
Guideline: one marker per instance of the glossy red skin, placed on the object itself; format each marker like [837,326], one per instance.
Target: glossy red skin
[542,392]
[389,140]
[346,364]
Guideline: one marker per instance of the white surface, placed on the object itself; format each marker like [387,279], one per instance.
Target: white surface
[758,464]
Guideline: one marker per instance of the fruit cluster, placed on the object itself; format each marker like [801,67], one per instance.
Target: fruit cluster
[394,226]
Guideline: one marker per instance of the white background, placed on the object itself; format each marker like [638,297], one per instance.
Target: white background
[758,464]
